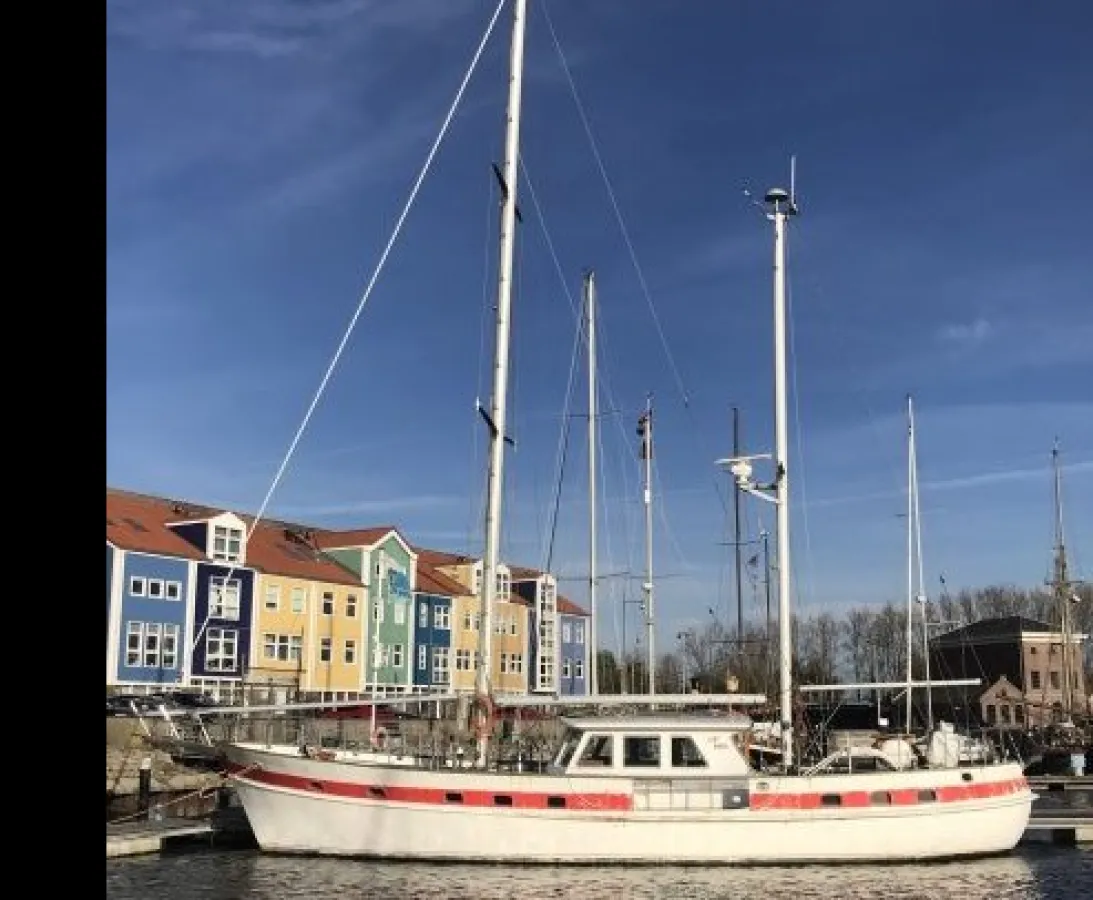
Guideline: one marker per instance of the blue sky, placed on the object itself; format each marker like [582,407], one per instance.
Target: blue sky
[258,154]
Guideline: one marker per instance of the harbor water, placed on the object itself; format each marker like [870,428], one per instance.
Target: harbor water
[1032,873]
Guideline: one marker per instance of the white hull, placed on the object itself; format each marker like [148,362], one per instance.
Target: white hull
[297,805]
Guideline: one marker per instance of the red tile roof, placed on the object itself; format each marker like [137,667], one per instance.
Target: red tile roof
[523,573]
[443,557]
[357,537]
[138,523]
[276,551]
[569,608]
[433,581]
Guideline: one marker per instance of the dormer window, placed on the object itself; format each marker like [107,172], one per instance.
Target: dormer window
[227,544]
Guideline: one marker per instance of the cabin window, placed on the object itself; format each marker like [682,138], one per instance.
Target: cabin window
[566,753]
[377,792]
[453,797]
[502,800]
[597,751]
[880,798]
[643,751]
[831,800]
[555,802]
[928,796]
[685,754]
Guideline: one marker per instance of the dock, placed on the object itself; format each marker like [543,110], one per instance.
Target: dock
[135,838]
[1071,827]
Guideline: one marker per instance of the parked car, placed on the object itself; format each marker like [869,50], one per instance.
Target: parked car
[385,715]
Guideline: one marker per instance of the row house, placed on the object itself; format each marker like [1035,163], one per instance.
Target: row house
[573,649]
[310,620]
[438,638]
[539,591]
[386,565]
[509,644]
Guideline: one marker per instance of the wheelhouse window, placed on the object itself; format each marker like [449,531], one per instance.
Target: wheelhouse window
[685,754]
[597,751]
[642,751]
[565,753]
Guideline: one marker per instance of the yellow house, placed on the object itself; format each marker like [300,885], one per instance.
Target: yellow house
[510,624]
[309,634]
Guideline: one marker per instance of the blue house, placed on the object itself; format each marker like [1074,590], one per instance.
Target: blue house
[539,590]
[573,649]
[223,605]
[150,579]
[433,627]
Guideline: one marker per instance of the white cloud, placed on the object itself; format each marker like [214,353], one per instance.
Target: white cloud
[970,334]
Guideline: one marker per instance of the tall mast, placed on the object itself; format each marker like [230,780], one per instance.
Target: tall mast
[920,595]
[910,559]
[781,206]
[1060,579]
[736,529]
[590,308]
[498,402]
[645,429]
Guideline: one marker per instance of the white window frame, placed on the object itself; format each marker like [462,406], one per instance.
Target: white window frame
[440,671]
[225,639]
[155,589]
[565,668]
[272,593]
[377,611]
[400,612]
[504,663]
[269,645]
[516,662]
[578,668]
[222,593]
[326,650]
[423,614]
[442,618]
[350,654]
[327,603]
[138,586]
[298,600]
[134,650]
[462,660]
[223,538]
[169,646]
[295,647]
[578,632]
[396,656]
[567,633]
[351,606]
[422,657]
[172,590]
[152,633]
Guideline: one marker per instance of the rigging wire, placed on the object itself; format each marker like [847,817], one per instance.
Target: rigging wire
[366,295]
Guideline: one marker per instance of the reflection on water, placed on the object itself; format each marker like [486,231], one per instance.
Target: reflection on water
[1043,874]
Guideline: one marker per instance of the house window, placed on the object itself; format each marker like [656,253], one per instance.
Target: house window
[295,647]
[221,647]
[328,603]
[134,639]
[227,543]
[269,645]
[642,751]
[685,754]
[504,582]
[423,615]
[377,611]
[324,649]
[516,662]
[350,652]
[504,663]
[512,626]
[565,668]
[1004,714]
[273,597]
[351,606]
[992,715]
[1035,680]
[440,665]
[567,633]
[578,668]
[169,650]
[442,618]
[400,613]
[422,657]
[462,660]
[396,656]
[1054,676]
[578,633]
[173,590]
[138,586]
[299,600]
[151,645]
[155,588]
[469,623]
[223,598]
[1019,715]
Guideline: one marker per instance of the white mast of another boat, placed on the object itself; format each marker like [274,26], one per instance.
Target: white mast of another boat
[645,429]
[920,593]
[590,310]
[910,561]
[497,413]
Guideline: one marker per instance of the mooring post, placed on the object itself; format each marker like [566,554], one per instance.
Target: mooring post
[144,788]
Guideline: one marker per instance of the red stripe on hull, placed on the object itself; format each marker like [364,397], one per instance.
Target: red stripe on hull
[440,796]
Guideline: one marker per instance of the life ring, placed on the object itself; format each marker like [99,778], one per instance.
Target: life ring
[379,739]
[483,725]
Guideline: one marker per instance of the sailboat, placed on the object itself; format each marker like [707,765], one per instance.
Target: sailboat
[631,788]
